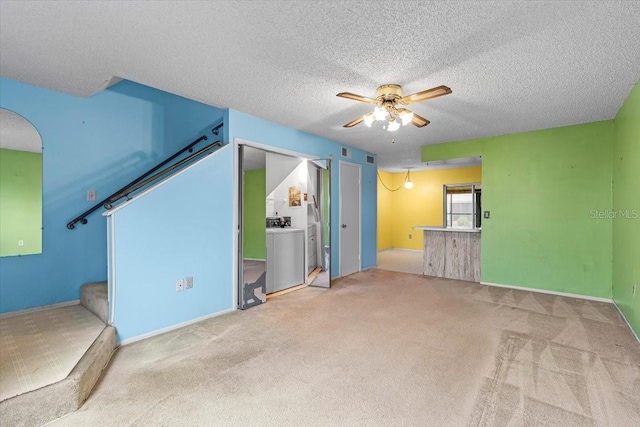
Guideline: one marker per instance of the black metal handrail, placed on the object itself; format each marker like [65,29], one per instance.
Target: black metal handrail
[114,198]
[82,218]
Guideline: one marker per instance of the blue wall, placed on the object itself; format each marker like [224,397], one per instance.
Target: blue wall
[101,143]
[177,229]
[244,126]
[185,227]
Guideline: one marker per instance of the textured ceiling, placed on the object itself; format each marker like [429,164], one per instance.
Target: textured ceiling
[16,133]
[512,66]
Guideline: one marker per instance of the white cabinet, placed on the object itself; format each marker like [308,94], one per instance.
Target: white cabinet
[285,258]
[312,248]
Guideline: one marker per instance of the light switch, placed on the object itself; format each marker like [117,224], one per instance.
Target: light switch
[91,195]
[487,214]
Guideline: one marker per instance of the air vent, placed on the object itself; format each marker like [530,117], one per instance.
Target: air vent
[371,160]
[346,152]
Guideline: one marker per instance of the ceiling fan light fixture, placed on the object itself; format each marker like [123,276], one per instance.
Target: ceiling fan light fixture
[387,106]
[393,125]
[380,113]
[406,116]
[369,119]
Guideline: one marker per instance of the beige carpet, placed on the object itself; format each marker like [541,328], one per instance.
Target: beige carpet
[42,347]
[382,349]
[401,260]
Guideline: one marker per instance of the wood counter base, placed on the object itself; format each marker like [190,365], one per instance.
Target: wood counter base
[452,254]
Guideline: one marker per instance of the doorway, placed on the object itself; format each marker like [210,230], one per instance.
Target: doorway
[283,223]
[350,226]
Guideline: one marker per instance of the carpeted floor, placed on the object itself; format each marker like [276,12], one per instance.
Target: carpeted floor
[382,349]
[401,260]
[42,347]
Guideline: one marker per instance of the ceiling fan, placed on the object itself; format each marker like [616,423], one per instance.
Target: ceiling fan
[388,106]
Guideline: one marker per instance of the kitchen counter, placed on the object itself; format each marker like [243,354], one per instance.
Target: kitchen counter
[453,253]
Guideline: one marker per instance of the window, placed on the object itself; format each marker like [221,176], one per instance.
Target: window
[462,206]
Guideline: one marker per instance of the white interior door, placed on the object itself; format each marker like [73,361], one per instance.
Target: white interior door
[349,218]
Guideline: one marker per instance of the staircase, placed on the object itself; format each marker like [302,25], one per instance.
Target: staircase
[93,296]
[33,403]
[45,404]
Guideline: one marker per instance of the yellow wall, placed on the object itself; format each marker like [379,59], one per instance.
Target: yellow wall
[400,211]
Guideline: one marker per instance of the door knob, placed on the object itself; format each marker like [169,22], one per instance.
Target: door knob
[344,225]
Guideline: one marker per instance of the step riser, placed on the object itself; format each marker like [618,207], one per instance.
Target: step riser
[93,296]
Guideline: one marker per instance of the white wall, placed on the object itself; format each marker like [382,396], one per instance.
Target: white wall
[278,199]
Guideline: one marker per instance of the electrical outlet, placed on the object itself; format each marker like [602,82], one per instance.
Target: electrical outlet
[20,242]
[188,283]
[410,236]
[179,285]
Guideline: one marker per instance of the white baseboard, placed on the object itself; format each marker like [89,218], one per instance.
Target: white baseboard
[255,259]
[171,328]
[544,291]
[41,308]
[626,321]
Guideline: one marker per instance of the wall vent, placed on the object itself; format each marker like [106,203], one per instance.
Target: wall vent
[371,160]
[346,152]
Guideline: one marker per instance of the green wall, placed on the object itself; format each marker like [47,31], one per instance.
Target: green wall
[542,189]
[255,212]
[20,202]
[626,208]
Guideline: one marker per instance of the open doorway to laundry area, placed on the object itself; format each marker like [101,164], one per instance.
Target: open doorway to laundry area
[283,223]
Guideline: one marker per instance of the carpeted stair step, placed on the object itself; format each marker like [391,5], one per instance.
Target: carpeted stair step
[47,403]
[93,296]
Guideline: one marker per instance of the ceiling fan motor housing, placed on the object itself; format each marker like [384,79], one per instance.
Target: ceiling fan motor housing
[389,92]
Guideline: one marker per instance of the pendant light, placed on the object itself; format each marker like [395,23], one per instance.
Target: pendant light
[408,184]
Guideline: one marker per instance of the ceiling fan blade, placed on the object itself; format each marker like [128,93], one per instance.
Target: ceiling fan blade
[425,94]
[355,97]
[419,121]
[354,122]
